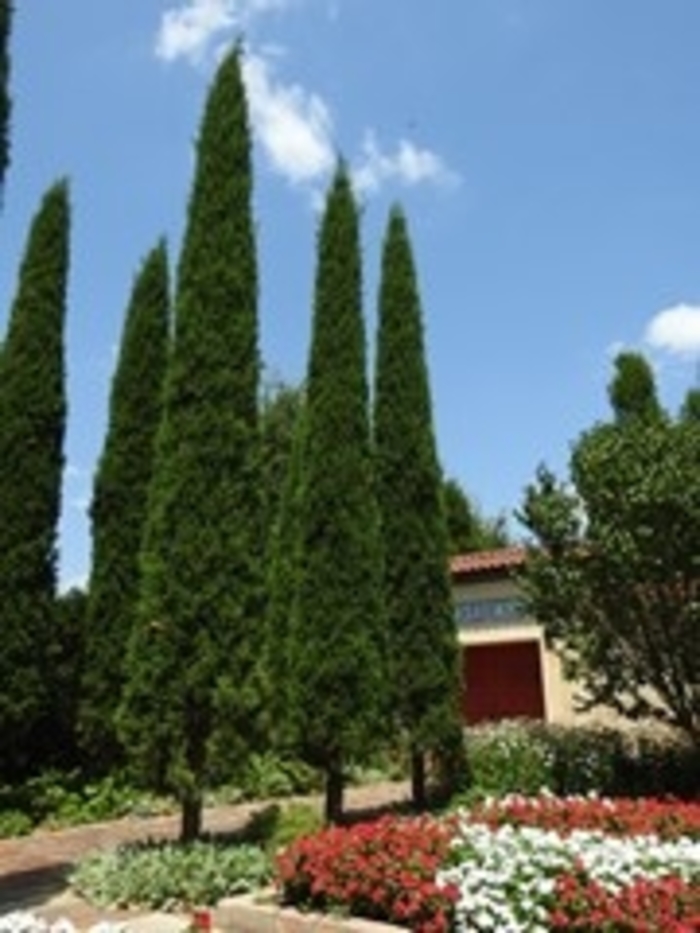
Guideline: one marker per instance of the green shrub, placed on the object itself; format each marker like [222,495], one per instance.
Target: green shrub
[584,759]
[267,776]
[168,876]
[521,757]
[655,766]
[509,757]
[56,798]
[276,825]
[106,799]
[14,823]
[294,822]
[388,764]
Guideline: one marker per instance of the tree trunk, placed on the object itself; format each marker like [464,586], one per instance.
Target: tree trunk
[334,794]
[191,817]
[418,779]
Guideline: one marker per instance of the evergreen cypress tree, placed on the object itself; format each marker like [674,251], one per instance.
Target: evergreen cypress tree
[468,529]
[632,391]
[423,647]
[281,456]
[32,423]
[191,653]
[280,414]
[118,510]
[690,409]
[336,674]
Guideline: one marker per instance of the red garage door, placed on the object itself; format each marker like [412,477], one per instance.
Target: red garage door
[502,681]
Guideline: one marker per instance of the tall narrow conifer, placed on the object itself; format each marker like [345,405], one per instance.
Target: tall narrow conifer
[32,423]
[282,449]
[423,648]
[118,510]
[192,651]
[336,675]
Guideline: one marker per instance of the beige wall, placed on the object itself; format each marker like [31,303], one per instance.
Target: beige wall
[558,692]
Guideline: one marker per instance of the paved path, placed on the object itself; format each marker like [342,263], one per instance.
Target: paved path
[34,869]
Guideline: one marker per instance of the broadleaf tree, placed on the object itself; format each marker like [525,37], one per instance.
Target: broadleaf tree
[192,651]
[422,639]
[613,570]
[32,426]
[336,646]
[119,505]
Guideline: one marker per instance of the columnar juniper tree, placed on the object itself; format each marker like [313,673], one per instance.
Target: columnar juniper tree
[632,392]
[336,675]
[468,529]
[32,422]
[282,446]
[119,504]
[192,649]
[423,648]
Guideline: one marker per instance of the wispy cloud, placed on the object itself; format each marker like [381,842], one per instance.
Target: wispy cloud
[293,125]
[191,30]
[408,164]
[675,330]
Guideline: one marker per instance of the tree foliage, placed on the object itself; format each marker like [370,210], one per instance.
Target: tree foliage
[32,424]
[690,410]
[468,529]
[192,650]
[282,430]
[119,504]
[632,392]
[423,652]
[335,650]
[282,405]
[614,567]
[66,663]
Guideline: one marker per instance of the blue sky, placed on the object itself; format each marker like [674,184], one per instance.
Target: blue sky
[547,155]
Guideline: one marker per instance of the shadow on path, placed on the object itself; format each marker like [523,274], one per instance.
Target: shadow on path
[25,890]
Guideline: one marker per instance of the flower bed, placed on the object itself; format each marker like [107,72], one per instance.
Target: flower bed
[21,921]
[520,864]
[386,870]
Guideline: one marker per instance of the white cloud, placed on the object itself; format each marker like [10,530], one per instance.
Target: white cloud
[294,126]
[675,330]
[409,165]
[189,30]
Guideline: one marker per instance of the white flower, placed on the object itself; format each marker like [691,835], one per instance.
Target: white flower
[21,921]
[506,877]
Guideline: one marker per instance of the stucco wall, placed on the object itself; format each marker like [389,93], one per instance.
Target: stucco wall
[476,602]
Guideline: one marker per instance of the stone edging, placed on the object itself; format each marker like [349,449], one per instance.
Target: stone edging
[257,913]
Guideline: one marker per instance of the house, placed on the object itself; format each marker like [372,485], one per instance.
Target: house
[508,671]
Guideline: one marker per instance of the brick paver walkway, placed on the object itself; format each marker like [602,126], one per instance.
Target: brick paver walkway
[34,869]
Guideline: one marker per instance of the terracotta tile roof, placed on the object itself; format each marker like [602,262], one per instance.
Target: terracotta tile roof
[503,559]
